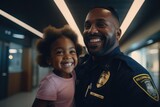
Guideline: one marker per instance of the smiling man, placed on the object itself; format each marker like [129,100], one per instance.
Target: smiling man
[108,78]
[100,33]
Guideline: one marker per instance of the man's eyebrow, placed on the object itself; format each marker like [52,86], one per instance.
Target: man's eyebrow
[100,20]
[87,21]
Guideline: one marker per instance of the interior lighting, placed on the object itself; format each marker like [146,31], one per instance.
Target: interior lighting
[69,18]
[10,57]
[18,36]
[12,50]
[135,7]
[22,24]
[150,41]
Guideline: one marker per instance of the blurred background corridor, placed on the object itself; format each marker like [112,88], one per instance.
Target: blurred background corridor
[22,23]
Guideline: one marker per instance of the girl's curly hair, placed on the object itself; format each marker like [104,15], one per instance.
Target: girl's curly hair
[51,34]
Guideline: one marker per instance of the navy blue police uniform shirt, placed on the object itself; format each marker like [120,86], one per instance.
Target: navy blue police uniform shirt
[117,81]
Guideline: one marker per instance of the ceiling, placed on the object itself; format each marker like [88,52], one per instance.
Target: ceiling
[41,13]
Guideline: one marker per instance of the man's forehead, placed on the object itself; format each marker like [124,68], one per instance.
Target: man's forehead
[98,14]
[101,10]
[101,14]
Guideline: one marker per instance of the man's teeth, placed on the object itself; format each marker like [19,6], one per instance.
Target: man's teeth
[95,40]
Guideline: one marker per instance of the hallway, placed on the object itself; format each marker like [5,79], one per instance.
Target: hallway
[23,99]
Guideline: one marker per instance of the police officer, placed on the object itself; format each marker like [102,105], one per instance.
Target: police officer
[108,78]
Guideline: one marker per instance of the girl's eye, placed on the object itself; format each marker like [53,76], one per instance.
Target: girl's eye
[59,52]
[73,51]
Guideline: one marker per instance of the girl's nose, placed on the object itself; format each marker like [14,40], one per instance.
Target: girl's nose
[66,57]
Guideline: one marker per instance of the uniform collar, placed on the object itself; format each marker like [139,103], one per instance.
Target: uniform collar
[107,57]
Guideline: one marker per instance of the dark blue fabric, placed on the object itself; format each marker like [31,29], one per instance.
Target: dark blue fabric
[119,91]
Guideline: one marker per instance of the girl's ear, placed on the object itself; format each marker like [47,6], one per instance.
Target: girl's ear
[118,34]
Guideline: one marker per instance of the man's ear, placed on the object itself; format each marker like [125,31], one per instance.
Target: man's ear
[118,34]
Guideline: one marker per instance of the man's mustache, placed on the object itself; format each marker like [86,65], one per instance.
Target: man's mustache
[87,36]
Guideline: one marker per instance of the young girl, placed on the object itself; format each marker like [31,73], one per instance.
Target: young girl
[58,49]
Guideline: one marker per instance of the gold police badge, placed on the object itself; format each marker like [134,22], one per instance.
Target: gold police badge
[104,77]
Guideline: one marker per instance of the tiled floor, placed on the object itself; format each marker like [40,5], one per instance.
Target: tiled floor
[24,99]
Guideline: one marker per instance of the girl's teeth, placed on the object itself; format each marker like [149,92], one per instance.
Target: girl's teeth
[67,64]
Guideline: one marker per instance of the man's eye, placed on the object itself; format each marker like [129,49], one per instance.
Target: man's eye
[87,26]
[101,25]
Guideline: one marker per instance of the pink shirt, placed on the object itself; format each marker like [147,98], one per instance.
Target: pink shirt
[57,89]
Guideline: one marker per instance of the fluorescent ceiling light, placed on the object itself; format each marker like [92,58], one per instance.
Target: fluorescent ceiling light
[22,24]
[7,32]
[18,36]
[150,41]
[12,50]
[69,18]
[66,13]
[136,5]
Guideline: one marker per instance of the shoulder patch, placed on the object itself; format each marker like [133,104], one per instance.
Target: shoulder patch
[145,82]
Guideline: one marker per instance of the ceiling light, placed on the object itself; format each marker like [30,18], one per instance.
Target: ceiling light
[7,32]
[10,57]
[18,36]
[12,50]
[150,41]
[136,5]
[22,24]
[69,18]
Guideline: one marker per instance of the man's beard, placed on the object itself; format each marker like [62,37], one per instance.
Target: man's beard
[109,43]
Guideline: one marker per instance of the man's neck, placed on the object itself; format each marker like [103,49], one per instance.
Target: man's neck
[106,56]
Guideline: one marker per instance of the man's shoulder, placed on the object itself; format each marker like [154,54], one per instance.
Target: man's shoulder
[132,64]
[83,59]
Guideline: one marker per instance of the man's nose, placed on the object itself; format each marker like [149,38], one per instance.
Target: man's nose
[93,30]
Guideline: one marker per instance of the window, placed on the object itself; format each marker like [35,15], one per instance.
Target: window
[148,57]
[15,58]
